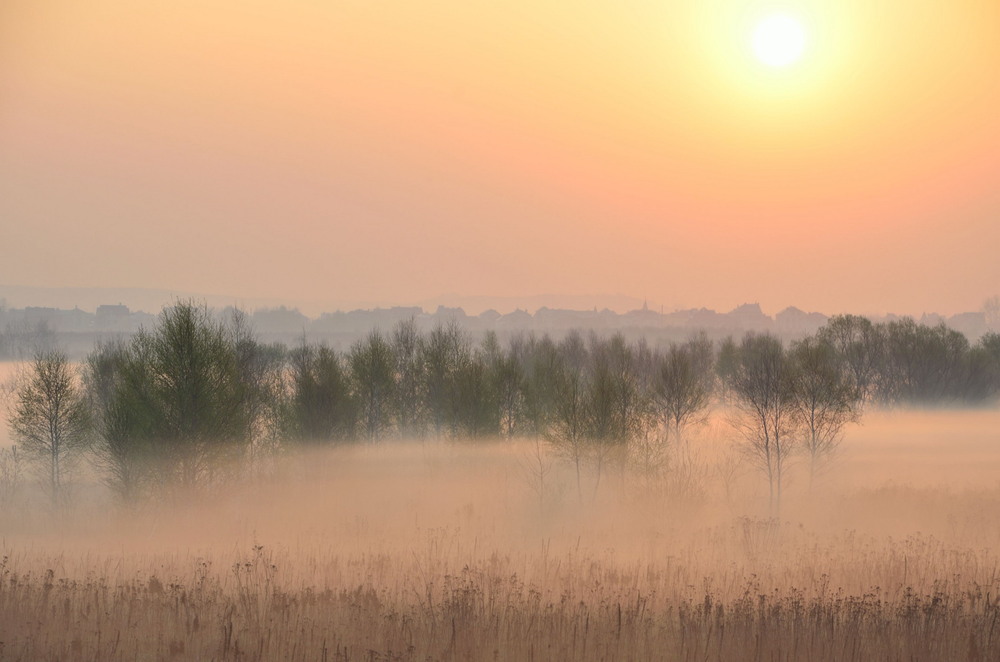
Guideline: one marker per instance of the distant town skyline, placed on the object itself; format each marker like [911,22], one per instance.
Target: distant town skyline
[152,300]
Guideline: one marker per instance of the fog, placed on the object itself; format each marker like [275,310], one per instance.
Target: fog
[908,509]
[900,471]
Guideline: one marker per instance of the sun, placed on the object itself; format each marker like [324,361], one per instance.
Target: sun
[779,40]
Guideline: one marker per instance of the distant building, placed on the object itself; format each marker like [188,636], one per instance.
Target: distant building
[112,317]
[112,311]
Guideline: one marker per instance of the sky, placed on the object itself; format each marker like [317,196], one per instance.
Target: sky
[386,153]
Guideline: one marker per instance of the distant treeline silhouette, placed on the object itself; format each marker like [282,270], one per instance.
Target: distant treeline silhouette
[194,398]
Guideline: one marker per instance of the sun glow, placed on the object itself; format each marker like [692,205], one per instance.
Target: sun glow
[779,40]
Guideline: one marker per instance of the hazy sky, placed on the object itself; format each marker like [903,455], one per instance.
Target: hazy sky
[393,151]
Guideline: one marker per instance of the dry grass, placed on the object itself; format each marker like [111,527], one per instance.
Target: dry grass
[428,552]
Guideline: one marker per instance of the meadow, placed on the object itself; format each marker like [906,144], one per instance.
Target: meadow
[456,551]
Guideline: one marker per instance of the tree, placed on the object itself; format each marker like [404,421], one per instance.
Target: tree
[762,384]
[321,407]
[50,420]
[683,383]
[597,408]
[178,403]
[442,354]
[726,362]
[475,409]
[507,384]
[203,404]
[826,399]
[567,428]
[860,344]
[120,392]
[922,364]
[614,406]
[987,357]
[372,368]
[540,363]
[407,347]
[261,371]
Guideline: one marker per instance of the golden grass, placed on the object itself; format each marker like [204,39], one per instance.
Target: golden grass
[443,552]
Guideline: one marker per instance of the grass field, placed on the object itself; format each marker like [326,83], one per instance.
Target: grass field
[452,552]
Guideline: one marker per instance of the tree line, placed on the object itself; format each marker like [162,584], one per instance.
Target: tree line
[196,399]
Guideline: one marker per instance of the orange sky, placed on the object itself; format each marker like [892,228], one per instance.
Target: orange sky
[391,152]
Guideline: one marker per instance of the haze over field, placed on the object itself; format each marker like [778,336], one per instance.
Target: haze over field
[355,152]
[428,551]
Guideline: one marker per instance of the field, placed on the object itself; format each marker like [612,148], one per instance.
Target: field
[457,551]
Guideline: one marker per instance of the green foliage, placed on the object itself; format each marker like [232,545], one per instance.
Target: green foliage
[901,362]
[120,389]
[922,364]
[372,367]
[181,403]
[860,345]
[508,382]
[443,354]
[407,348]
[322,408]
[541,363]
[615,404]
[197,389]
[178,402]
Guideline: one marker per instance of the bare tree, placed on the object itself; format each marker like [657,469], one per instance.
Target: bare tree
[615,407]
[598,408]
[682,386]
[826,399]
[567,429]
[762,384]
[50,420]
